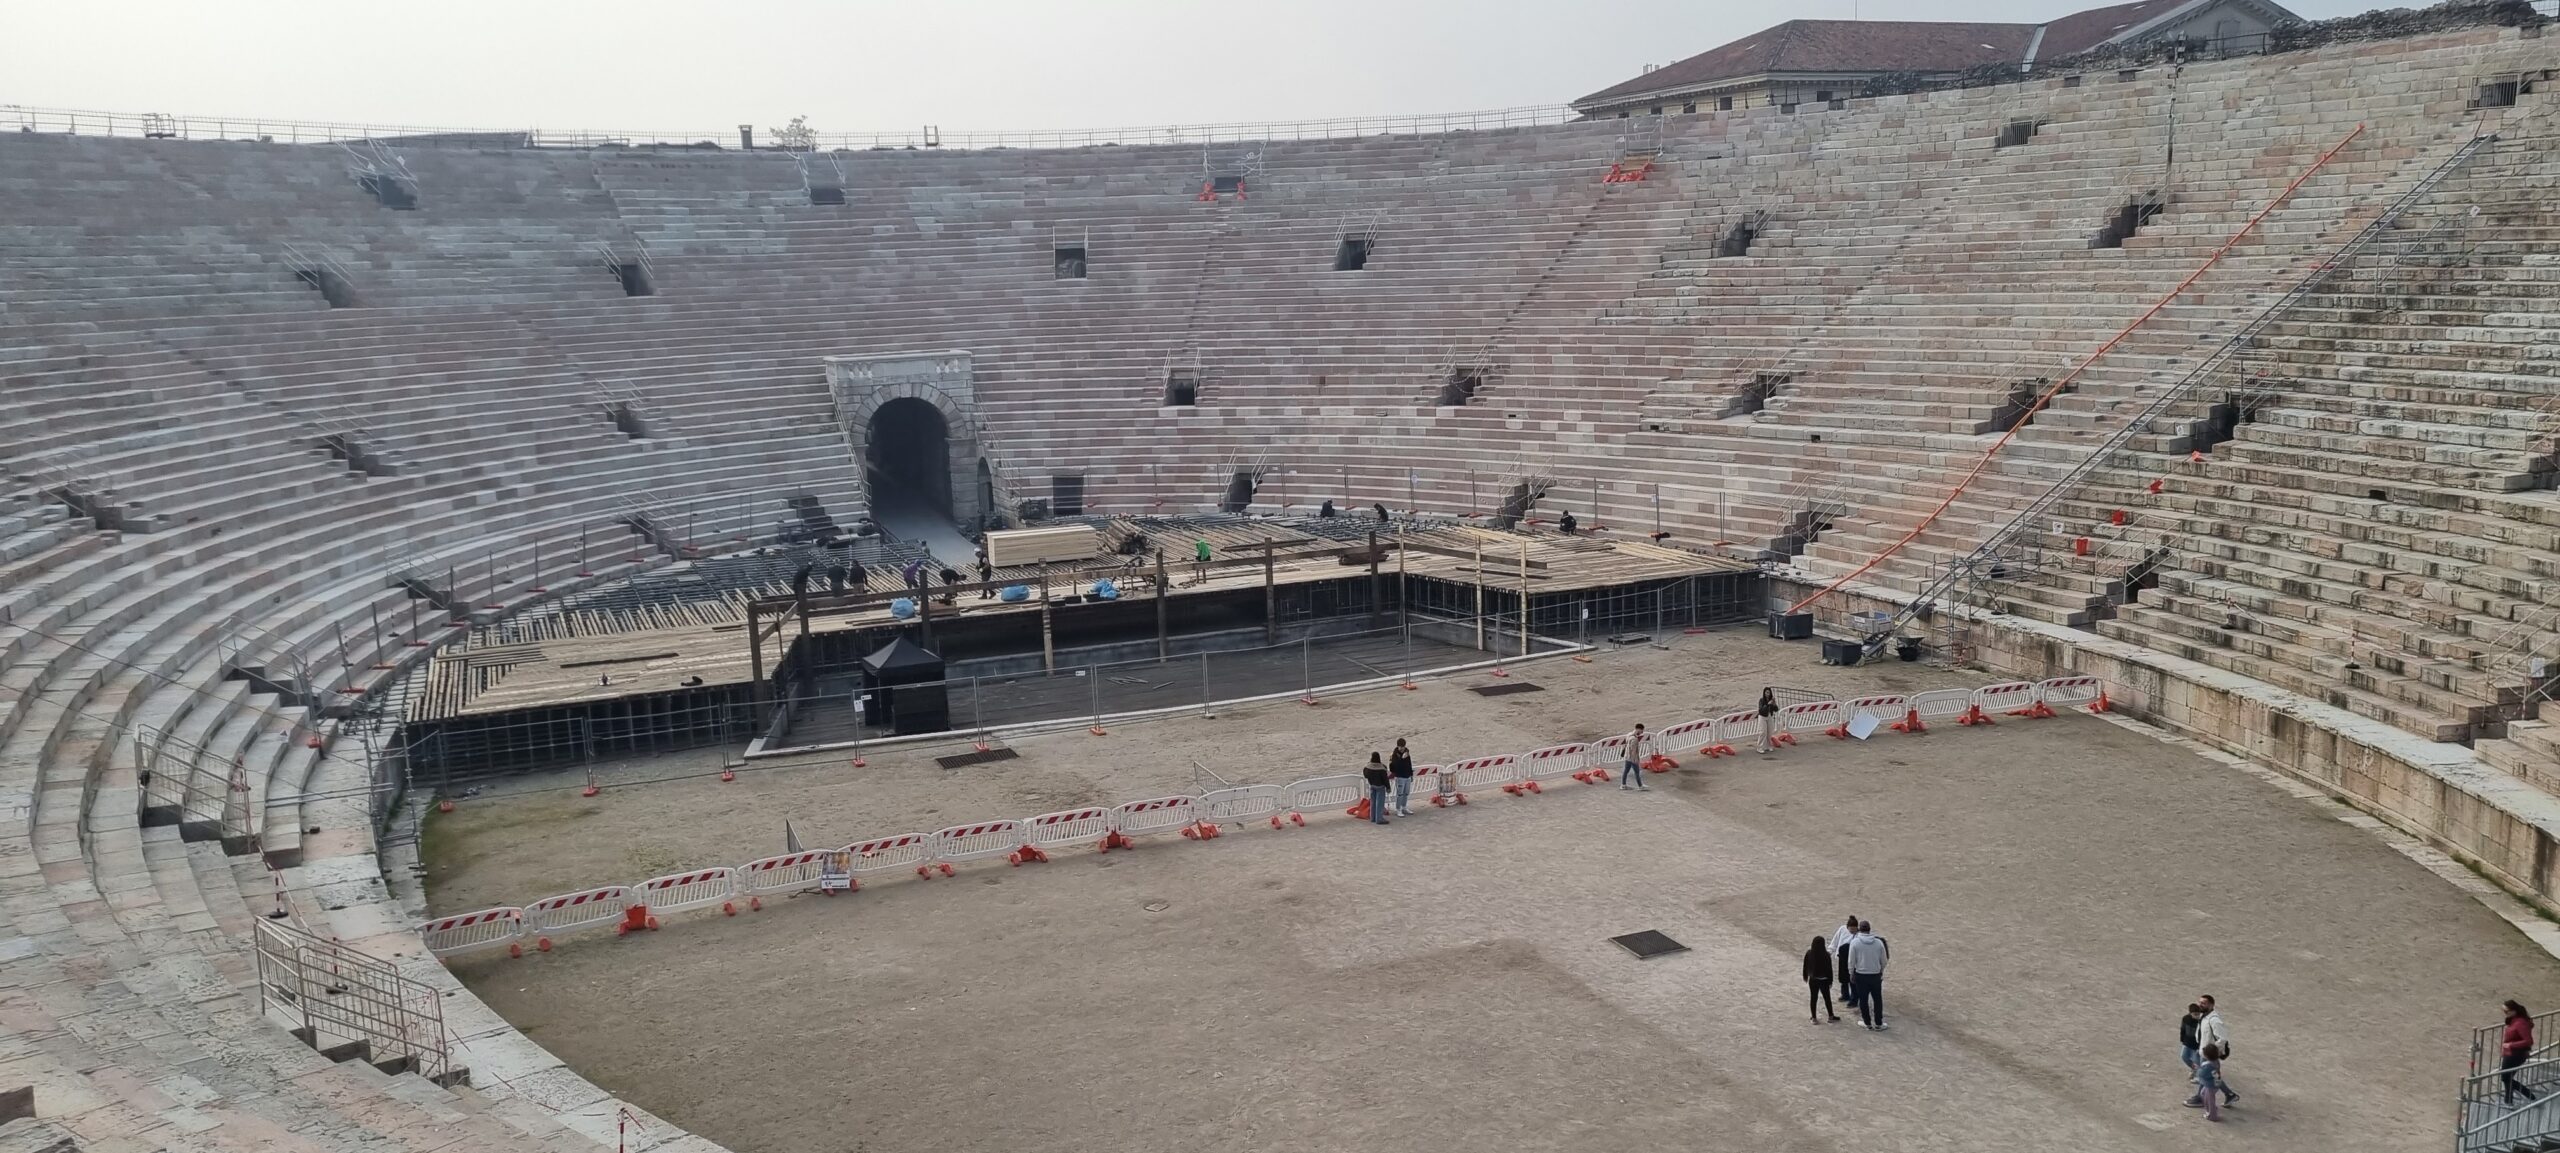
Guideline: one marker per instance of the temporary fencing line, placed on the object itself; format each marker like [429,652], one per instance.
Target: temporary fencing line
[1196,816]
[2063,382]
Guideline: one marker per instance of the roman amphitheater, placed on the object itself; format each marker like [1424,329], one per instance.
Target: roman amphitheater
[493,652]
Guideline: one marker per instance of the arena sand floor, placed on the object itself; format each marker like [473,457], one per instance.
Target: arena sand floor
[2054,891]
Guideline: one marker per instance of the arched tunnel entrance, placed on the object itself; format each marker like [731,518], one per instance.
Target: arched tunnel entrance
[910,466]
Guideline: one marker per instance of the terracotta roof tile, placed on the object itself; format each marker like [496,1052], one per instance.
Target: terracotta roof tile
[1839,46]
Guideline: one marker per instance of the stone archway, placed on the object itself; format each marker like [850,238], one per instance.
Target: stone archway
[864,387]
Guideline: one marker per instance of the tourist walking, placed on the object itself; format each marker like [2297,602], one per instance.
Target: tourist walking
[1400,768]
[1768,720]
[2212,1034]
[1817,975]
[2515,1047]
[2209,1080]
[1376,773]
[2187,1037]
[1867,956]
[1840,955]
[1632,776]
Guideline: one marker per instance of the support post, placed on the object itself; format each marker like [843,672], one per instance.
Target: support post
[1479,575]
[1270,597]
[1048,639]
[1377,590]
[1524,598]
[1164,605]
[755,657]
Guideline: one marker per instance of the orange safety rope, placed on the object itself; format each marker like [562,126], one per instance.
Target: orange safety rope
[2076,370]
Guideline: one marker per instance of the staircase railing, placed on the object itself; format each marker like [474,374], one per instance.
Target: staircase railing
[2029,515]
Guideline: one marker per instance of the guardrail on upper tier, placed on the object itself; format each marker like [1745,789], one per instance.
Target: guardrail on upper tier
[159,125]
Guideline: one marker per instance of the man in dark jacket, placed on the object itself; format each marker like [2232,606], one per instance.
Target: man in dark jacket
[1375,772]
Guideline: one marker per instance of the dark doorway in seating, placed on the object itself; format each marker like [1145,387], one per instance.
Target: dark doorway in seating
[910,464]
[1352,255]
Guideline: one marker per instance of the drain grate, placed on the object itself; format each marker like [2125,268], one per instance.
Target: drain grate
[1648,944]
[1504,690]
[964,760]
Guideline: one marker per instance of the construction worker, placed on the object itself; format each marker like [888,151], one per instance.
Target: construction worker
[1200,558]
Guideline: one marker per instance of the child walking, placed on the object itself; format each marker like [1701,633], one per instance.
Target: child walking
[2209,1081]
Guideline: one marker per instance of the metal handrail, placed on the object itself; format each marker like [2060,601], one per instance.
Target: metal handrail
[2141,423]
[99,123]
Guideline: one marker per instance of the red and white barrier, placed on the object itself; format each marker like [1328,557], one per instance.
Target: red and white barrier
[2071,692]
[892,854]
[1476,774]
[471,932]
[1885,708]
[692,889]
[1936,706]
[2018,697]
[1700,733]
[1556,763]
[976,841]
[1065,829]
[570,912]
[1732,730]
[1243,803]
[1809,717]
[1154,815]
[789,872]
[1317,794]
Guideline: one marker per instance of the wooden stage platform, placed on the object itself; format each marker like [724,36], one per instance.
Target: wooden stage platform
[704,646]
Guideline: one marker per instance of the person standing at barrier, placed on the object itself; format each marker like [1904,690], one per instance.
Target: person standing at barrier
[1840,955]
[2215,1036]
[1768,720]
[1632,776]
[2515,1047]
[1376,773]
[1867,955]
[1400,767]
[1817,974]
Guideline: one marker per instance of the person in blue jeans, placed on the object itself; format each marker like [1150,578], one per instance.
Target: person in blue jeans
[2209,1081]
[2187,1037]
[1376,774]
[1632,775]
[1400,768]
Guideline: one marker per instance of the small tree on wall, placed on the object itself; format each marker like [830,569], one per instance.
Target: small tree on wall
[796,136]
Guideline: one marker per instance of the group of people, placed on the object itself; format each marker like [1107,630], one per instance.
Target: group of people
[1853,959]
[2204,1043]
[1395,772]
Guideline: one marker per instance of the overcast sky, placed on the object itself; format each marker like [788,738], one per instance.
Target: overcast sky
[859,65]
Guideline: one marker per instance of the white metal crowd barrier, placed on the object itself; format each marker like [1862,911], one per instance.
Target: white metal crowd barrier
[677,892]
[570,912]
[468,932]
[1246,803]
[1155,815]
[1200,815]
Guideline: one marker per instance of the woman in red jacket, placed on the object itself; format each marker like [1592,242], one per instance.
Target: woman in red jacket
[2515,1048]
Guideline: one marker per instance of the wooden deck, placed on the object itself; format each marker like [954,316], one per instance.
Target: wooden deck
[564,662]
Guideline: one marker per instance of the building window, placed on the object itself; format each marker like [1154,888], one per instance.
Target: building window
[1622,114]
[1724,104]
[1691,106]
[1657,110]
[1822,94]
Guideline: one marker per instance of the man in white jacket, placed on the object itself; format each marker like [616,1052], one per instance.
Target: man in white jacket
[2212,1031]
[1840,957]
